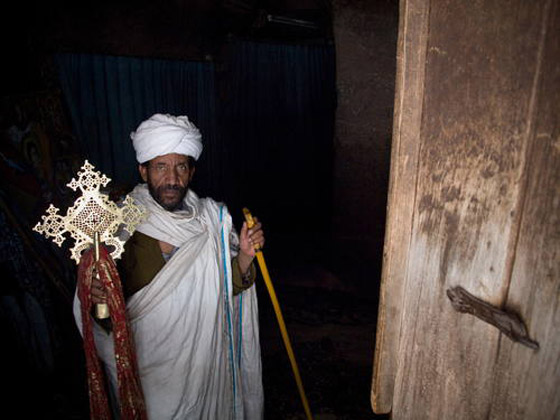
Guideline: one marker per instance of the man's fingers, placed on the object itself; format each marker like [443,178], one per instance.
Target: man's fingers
[244,229]
[254,229]
[98,292]
[97,289]
[257,238]
[254,235]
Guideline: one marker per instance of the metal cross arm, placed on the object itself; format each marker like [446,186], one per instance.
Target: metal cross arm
[92,215]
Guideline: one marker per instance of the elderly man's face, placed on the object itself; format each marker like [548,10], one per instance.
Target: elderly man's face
[168,178]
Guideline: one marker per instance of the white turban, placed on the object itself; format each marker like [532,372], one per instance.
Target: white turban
[162,134]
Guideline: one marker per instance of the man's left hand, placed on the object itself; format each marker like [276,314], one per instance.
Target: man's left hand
[249,241]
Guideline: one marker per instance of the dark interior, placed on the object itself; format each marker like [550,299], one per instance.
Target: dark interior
[294,100]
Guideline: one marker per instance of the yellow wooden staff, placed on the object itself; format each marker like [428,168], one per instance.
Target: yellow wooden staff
[279,317]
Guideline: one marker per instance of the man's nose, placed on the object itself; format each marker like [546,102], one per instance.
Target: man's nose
[173,177]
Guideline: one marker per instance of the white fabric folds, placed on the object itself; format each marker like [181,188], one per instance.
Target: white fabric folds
[162,134]
[197,345]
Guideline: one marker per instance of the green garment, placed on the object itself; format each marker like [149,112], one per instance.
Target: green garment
[142,259]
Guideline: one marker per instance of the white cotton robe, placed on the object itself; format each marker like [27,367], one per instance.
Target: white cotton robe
[197,345]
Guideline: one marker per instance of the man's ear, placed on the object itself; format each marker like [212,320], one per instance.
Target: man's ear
[143,169]
[193,169]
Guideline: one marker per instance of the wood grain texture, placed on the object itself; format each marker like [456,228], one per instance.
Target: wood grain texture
[527,384]
[409,95]
[481,78]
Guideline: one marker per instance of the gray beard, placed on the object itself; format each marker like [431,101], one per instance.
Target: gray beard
[156,195]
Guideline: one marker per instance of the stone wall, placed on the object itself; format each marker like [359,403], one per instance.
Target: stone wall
[365,34]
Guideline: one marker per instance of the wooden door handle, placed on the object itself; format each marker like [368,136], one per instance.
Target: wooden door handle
[507,322]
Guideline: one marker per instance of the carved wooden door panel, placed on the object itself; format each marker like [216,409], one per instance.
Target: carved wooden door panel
[474,201]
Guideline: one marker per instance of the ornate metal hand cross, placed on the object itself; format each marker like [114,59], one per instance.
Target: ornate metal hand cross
[92,212]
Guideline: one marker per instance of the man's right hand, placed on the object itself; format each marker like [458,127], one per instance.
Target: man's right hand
[98,292]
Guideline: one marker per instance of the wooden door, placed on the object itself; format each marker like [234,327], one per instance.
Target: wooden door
[474,201]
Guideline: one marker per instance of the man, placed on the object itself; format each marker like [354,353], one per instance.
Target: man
[187,281]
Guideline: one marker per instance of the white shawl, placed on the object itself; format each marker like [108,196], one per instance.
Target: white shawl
[197,346]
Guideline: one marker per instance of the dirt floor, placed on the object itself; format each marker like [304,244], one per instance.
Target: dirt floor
[333,336]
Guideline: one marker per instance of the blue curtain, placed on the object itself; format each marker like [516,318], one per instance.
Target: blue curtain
[279,114]
[109,96]
[266,117]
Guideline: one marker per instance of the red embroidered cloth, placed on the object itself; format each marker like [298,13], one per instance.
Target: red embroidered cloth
[131,399]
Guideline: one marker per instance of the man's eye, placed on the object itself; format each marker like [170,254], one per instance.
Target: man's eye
[182,167]
[161,168]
